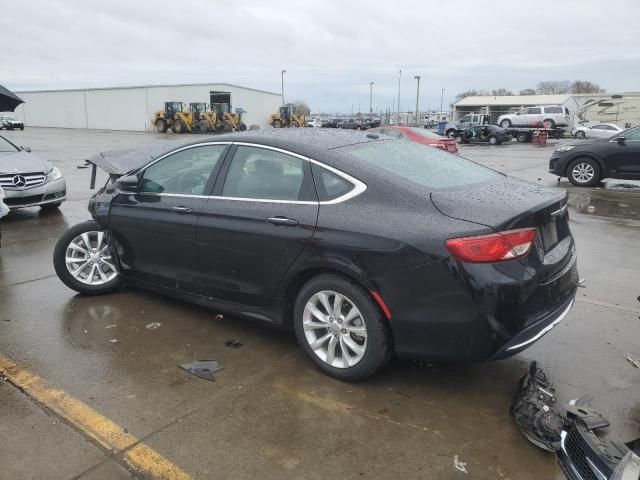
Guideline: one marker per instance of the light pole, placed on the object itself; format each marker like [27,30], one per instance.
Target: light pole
[399,80]
[417,77]
[282,74]
[441,98]
[371,99]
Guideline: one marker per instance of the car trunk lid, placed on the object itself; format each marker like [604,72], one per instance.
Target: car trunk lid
[508,204]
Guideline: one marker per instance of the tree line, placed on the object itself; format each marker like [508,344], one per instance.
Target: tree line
[547,87]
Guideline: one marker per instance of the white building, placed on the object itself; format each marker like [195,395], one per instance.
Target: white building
[622,109]
[131,108]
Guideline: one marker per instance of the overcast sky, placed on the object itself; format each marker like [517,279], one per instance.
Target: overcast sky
[331,50]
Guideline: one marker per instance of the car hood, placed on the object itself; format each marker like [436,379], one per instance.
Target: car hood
[22,162]
[123,160]
[501,204]
[586,142]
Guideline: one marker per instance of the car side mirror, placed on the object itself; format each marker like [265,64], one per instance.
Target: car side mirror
[26,149]
[620,140]
[128,183]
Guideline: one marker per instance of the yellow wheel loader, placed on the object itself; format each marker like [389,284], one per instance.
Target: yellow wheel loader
[287,117]
[173,117]
[227,121]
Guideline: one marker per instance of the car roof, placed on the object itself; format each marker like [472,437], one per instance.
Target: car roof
[310,142]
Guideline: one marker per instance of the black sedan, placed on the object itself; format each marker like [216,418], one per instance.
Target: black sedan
[491,134]
[366,247]
[587,162]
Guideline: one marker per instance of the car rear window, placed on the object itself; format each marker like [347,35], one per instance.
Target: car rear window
[422,165]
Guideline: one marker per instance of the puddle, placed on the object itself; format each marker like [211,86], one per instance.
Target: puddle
[605,204]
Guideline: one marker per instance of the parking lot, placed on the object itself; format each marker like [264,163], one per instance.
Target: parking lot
[95,381]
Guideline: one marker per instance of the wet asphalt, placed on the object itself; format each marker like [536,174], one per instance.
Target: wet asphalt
[270,413]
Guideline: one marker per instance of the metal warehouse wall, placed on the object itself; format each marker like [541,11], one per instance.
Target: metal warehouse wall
[132,108]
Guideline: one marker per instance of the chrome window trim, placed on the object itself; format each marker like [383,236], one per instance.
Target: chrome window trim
[358,185]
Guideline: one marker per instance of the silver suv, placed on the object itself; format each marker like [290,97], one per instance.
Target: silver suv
[551,115]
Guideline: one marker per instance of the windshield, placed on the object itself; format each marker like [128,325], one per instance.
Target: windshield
[6,146]
[422,165]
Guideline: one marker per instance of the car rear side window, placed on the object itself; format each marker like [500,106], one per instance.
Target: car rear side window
[329,185]
[535,111]
[260,173]
[185,172]
[422,165]
[553,109]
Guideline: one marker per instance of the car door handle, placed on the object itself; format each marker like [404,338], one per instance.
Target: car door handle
[182,210]
[282,221]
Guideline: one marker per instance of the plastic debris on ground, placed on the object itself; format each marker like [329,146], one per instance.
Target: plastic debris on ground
[633,362]
[233,343]
[203,368]
[461,466]
[153,325]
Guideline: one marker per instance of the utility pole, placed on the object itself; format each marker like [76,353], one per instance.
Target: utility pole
[371,99]
[399,80]
[282,73]
[417,77]
[441,98]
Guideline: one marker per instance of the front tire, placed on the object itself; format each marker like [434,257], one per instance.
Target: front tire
[341,328]
[505,124]
[493,140]
[583,172]
[161,125]
[83,260]
[581,135]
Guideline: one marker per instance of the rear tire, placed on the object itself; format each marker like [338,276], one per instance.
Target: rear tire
[493,140]
[242,127]
[548,123]
[92,230]
[22,127]
[522,137]
[366,338]
[276,124]
[451,133]
[584,172]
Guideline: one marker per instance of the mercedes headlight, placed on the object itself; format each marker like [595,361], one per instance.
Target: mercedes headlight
[54,174]
[564,148]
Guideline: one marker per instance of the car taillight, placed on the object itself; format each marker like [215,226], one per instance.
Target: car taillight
[495,247]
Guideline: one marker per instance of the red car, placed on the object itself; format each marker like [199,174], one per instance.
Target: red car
[419,135]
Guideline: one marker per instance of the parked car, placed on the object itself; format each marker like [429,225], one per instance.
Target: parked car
[352,124]
[364,247]
[312,122]
[419,135]
[373,123]
[484,134]
[599,130]
[332,123]
[10,123]
[587,162]
[29,181]
[551,116]
[469,120]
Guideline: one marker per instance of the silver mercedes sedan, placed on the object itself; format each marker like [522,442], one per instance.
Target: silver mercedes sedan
[27,180]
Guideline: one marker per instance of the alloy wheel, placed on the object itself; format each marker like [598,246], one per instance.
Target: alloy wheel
[335,329]
[583,172]
[88,259]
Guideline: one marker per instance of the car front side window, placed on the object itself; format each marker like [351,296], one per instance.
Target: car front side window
[263,174]
[185,172]
[632,135]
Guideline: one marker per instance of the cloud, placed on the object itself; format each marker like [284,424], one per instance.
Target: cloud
[331,49]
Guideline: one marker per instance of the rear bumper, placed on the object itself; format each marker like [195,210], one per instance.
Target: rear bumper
[532,334]
[446,311]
